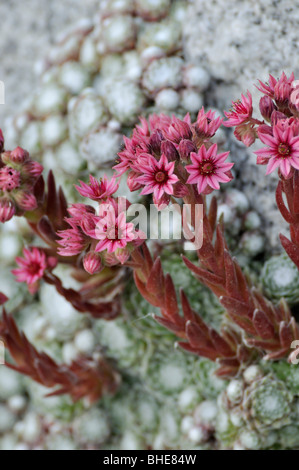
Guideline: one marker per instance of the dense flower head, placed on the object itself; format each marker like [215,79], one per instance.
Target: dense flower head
[98,190]
[157,176]
[18,175]
[272,87]
[32,267]
[241,111]
[279,131]
[156,155]
[208,169]
[282,149]
[102,235]
[207,124]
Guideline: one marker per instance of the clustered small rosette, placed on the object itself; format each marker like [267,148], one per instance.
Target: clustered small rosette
[167,155]
[279,130]
[101,235]
[18,175]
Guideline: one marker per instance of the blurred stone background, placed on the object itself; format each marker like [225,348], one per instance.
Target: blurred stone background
[28,28]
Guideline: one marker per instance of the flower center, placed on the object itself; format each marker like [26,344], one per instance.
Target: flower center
[207,167]
[284,149]
[34,268]
[113,232]
[9,179]
[160,176]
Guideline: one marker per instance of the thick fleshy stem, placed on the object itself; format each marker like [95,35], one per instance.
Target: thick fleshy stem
[85,377]
[289,209]
[198,338]
[94,298]
[270,328]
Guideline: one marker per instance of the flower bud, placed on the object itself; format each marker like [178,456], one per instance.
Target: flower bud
[7,210]
[276,116]
[169,150]
[180,189]
[245,133]
[122,254]
[185,148]
[267,107]
[161,203]
[92,262]
[110,259]
[155,141]
[26,201]
[19,155]
[5,157]
[282,92]
[52,262]
[131,182]
[179,130]
[33,169]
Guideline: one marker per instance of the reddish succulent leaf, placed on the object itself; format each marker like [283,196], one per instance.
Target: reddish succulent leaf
[46,231]
[291,249]
[296,192]
[235,307]
[197,337]
[279,354]
[144,292]
[212,216]
[179,330]
[203,273]
[262,325]
[221,345]
[281,205]
[171,304]
[82,378]
[209,354]
[285,335]
[231,282]
[155,281]
[265,345]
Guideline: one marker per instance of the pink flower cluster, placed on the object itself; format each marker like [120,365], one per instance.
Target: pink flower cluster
[102,237]
[32,267]
[166,155]
[18,175]
[279,130]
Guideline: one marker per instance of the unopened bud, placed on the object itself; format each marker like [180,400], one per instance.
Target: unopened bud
[7,210]
[33,169]
[19,155]
[155,141]
[92,262]
[267,107]
[122,254]
[276,116]
[132,183]
[26,201]
[282,92]
[169,150]
[185,148]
